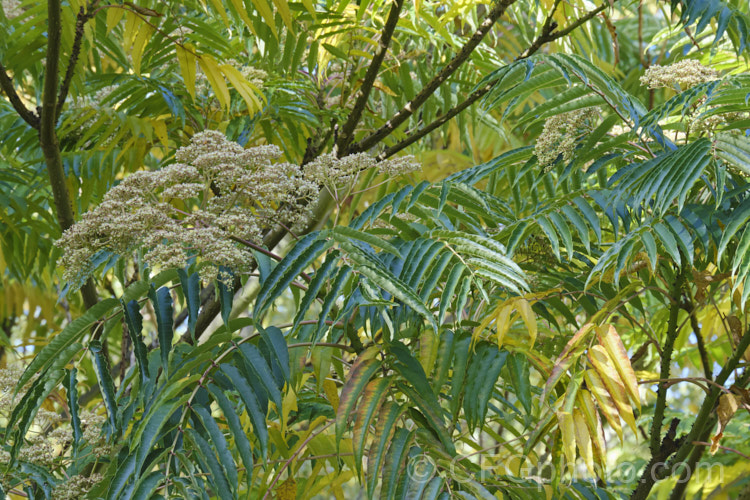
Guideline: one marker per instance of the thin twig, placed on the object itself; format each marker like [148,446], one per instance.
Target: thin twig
[294,456]
[347,129]
[548,35]
[6,83]
[413,105]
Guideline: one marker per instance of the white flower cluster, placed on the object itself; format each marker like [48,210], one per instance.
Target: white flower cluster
[709,124]
[216,195]
[329,170]
[76,487]
[560,133]
[681,75]
[12,8]
[41,447]
[86,102]
[217,199]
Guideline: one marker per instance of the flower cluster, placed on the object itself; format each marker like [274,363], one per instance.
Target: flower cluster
[560,134]
[76,487]
[217,195]
[709,124]
[12,8]
[49,437]
[333,172]
[214,202]
[681,75]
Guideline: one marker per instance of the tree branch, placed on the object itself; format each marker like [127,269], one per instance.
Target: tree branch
[7,85]
[666,364]
[704,422]
[347,130]
[48,135]
[83,16]
[548,35]
[404,113]
[690,309]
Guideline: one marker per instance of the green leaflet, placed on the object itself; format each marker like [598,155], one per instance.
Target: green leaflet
[246,392]
[342,277]
[237,431]
[191,288]
[106,384]
[384,428]
[315,286]
[446,298]
[162,302]
[219,443]
[422,393]
[50,353]
[299,257]
[274,339]
[134,321]
[225,292]
[518,368]
[255,362]
[218,477]
[443,360]
[148,484]
[461,348]
[345,234]
[394,462]
[71,388]
[381,276]
[484,369]
[362,370]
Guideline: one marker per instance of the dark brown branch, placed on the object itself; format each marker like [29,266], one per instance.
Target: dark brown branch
[702,426]
[666,365]
[656,465]
[548,35]
[347,130]
[404,113]
[690,309]
[7,85]
[48,135]
[83,16]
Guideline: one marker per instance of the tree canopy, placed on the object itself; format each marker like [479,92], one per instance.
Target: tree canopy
[415,250]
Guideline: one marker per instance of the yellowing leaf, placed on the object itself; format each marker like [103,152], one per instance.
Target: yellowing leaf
[591,418]
[266,12]
[246,89]
[139,45]
[286,15]
[611,341]
[604,400]
[566,359]
[428,349]
[114,16]
[287,490]
[583,440]
[502,323]
[215,78]
[725,411]
[567,432]
[603,365]
[239,6]
[527,315]
[160,129]
[186,58]
[329,387]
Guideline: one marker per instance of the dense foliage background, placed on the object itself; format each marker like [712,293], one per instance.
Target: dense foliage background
[223,276]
